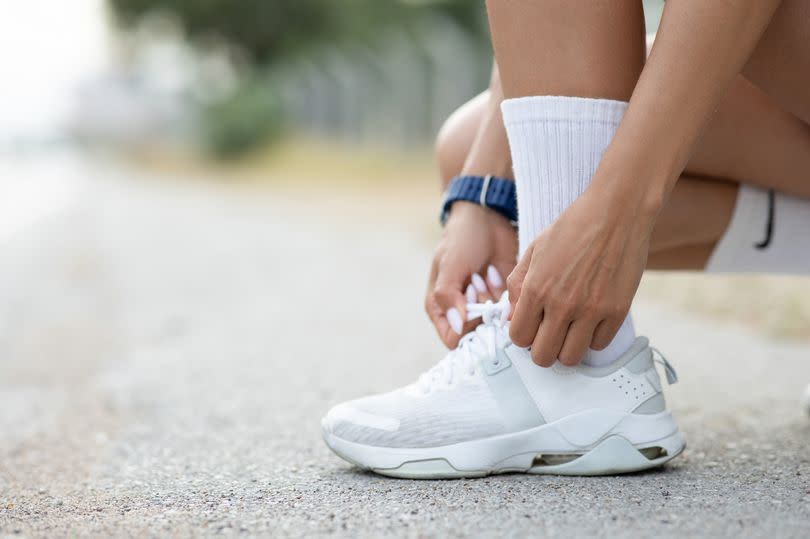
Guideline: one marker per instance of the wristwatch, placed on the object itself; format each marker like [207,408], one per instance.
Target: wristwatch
[495,193]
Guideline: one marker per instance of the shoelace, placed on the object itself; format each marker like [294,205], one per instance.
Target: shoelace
[669,370]
[483,342]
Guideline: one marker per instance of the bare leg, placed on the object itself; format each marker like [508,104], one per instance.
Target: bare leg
[759,135]
[750,139]
[456,136]
[780,63]
[694,218]
[740,140]
[606,65]
[475,137]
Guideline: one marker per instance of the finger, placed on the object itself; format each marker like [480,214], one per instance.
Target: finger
[526,318]
[514,283]
[455,320]
[549,341]
[456,313]
[450,296]
[458,325]
[470,325]
[481,288]
[471,294]
[495,282]
[577,340]
[434,273]
[449,336]
[439,319]
[605,331]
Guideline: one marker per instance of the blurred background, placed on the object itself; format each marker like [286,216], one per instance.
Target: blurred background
[311,95]
[212,210]
[327,99]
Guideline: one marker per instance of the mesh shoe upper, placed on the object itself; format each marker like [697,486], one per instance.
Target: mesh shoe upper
[409,417]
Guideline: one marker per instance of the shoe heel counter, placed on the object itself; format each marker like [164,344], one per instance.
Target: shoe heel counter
[642,362]
[653,405]
[643,366]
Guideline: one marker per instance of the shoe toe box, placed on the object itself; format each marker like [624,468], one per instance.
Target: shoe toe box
[353,423]
[405,418]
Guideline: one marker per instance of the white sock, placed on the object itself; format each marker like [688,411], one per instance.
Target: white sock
[556,145]
[769,232]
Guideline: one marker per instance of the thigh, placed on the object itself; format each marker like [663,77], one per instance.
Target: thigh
[780,63]
[760,134]
[752,139]
[689,258]
[697,212]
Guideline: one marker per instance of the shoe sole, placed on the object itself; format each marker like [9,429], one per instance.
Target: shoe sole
[635,442]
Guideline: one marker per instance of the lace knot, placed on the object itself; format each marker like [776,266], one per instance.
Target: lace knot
[481,342]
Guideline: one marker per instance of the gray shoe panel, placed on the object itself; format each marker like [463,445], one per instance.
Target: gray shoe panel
[653,405]
[517,406]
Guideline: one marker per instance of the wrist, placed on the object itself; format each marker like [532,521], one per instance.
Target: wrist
[489,192]
[642,162]
[637,187]
[623,206]
[463,211]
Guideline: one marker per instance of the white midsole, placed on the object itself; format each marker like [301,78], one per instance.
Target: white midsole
[576,433]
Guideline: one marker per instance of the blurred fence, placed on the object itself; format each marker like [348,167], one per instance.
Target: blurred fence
[394,89]
[396,93]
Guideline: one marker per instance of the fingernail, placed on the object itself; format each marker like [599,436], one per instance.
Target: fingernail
[478,283]
[454,318]
[494,277]
[472,296]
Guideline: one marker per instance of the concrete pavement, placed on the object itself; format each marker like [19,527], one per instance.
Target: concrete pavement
[168,348]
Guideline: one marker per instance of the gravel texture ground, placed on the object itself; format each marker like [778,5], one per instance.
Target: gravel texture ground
[167,350]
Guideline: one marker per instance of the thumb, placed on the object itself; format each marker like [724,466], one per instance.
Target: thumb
[514,283]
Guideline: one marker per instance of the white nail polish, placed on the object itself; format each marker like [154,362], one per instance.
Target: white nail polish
[494,277]
[454,318]
[478,283]
[472,295]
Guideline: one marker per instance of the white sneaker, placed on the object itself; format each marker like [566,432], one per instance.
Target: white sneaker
[487,408]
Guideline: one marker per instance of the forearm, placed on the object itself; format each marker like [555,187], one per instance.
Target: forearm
[681,84]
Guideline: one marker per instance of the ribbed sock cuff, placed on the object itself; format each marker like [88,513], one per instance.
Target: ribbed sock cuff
[555,108]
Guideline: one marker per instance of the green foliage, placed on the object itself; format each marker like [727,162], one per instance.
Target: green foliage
[270,33]
[272,30]
[236,124]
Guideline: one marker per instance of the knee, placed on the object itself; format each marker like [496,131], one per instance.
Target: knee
[450,155]
[456,137]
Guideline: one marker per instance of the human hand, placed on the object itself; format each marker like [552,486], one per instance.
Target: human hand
[477,248]
[573,287]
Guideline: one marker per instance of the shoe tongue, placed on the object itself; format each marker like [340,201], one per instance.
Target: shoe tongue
[480,338]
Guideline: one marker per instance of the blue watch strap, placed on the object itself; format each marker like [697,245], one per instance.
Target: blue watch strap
[492,192]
